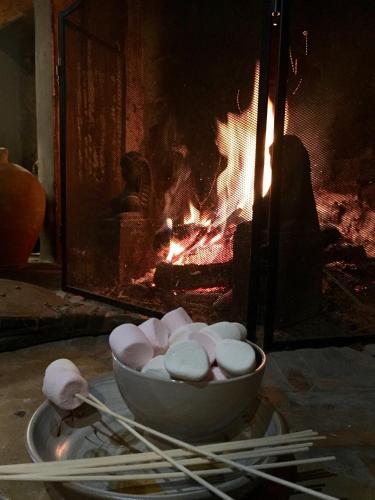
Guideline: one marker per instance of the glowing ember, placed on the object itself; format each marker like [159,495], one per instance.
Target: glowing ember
[209,239]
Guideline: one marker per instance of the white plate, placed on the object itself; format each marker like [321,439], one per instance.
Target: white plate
[52,435]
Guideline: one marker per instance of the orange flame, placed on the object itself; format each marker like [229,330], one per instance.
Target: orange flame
[267,172]
[175,249]
[236,140]
[195,217]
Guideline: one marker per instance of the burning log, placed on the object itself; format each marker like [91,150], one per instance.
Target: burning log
[330,235]
[164,235]
[340,210]
[344,252]
[224,303]
[192,276]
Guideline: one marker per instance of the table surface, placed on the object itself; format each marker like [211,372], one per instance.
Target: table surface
[329,390]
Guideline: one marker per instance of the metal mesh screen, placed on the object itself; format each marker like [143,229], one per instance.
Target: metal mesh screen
[159,210]
[93,139]
[330,108]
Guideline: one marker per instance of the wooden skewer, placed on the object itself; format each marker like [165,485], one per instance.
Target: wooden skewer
[90,469]
[217,458]
[189,461]
[128,426]
[296,438]
[153,476]
[136,460]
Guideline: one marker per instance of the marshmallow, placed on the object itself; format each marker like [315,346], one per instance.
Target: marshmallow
[155,367]
[131,346]
[183,332]
[234,357]
[242,329]
[224,330]
[207,341]
[61,385]
[62,364]
[187,361]
[157,334]
[216,373]
[176,318]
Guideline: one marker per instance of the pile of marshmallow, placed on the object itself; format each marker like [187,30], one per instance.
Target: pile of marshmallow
[176,348]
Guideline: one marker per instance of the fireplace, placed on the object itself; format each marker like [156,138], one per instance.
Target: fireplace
[209,161]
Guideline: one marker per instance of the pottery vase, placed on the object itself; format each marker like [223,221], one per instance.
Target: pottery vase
[22,209]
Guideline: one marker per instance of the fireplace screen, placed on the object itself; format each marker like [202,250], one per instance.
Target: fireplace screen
[161,116]
[159,120]
[326,243]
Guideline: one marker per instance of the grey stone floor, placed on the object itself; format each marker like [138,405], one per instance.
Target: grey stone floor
[330,390]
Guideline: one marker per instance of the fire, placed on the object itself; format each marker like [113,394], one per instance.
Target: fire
[267,172]
[209,240]
[236,140]
[175,249]
[205,250]
[195,217]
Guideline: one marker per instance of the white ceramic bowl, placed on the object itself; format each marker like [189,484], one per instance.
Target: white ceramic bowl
[197,411]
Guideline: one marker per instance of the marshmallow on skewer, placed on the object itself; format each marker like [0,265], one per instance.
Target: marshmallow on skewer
[157,333]
[62,364]
[131,346]
[187,361]
[184,331]
[176,318]
[235,358]
[224,330]
[61,385]
[207,341]
[155,367]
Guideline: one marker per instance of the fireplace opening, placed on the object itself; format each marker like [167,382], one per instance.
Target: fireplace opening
[160,128]
[165,223]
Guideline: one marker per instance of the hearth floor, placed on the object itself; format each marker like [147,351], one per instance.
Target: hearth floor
[33,309]
[329,390]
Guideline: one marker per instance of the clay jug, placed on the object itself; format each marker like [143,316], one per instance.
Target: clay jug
[22,208]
